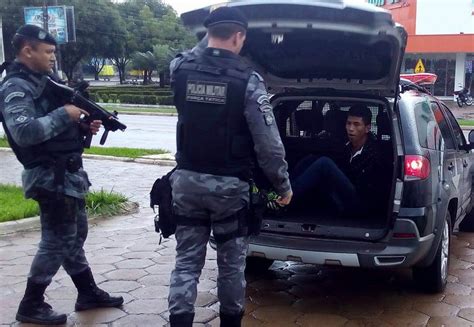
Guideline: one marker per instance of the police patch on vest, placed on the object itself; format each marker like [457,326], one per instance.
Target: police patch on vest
[206,92]
[14,95]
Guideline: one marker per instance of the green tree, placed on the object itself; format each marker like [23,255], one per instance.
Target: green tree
[150,23]
[98,29]
[163,55]
[12,18]
[145,61]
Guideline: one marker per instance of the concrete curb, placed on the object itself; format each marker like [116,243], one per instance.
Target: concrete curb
[131,113]
[33,223]
[147,161]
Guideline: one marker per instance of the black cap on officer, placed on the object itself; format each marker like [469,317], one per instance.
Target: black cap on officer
[227,15]
[36,33]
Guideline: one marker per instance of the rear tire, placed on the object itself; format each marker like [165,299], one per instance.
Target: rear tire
[257,264]
[469,101]
[433,279]
[458,100]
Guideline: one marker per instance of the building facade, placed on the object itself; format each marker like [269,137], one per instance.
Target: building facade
[440,36]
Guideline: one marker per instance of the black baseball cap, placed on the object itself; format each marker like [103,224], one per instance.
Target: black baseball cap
[36,33]
[226,15]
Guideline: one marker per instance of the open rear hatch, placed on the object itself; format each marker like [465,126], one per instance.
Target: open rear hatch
[319,44]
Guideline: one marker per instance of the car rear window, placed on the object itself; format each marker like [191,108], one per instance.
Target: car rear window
[425,125]
[311,118]
[432,127]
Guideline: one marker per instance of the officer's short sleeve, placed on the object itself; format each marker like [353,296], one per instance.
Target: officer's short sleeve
[262,125]
[26,124]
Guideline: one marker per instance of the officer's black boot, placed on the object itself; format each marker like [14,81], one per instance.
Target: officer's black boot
[34,310]
[90,296]
[231,320]
[182,320]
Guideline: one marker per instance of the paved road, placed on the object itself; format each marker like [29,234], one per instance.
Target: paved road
[125,255]
[149,132]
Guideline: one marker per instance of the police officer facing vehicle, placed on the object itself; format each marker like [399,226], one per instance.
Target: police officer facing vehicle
[48,140]
[225,120]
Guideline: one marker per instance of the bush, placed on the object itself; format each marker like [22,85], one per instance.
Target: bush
[131,98]
[166,101]
[104,97]
[149,99]
[113,97]
[93,97]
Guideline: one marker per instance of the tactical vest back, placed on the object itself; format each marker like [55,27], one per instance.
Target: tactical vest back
[212,133]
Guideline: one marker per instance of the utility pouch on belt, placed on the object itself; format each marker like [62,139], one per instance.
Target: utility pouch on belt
[257,208]
[160,195]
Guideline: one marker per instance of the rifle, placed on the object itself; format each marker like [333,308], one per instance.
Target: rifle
[77,96]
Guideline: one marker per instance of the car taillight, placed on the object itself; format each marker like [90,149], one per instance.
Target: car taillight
[416,167]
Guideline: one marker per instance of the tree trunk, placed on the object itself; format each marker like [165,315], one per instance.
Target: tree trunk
[162,79]
[96,76]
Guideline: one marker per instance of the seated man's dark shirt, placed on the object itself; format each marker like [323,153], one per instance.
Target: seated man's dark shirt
[365,171]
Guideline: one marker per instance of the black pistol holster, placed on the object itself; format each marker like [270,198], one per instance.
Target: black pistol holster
[160,195]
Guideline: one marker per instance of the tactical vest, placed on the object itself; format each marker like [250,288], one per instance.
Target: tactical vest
[62,147]
[212,133]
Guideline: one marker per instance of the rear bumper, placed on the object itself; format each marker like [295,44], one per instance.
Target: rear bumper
[390,252]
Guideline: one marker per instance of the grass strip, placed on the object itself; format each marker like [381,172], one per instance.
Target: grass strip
[15,206]
[113,151]
[123,152]
[466,122]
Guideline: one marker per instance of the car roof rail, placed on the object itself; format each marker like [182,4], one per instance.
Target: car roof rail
[417,81]
[407,85]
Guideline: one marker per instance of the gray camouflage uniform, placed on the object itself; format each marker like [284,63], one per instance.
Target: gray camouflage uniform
[211,197]
[63,221]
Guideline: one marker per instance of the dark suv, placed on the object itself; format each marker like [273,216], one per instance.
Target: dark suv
[318,59]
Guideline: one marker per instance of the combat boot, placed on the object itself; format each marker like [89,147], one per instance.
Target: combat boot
[34,310]
[181,320]
[90,296]
[231,320]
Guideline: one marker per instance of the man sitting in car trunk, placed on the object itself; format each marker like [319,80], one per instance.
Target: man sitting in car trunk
[354,183]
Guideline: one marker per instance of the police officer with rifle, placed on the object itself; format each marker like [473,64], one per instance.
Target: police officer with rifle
[47,132]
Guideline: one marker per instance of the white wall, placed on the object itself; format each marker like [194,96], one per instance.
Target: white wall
[444,17]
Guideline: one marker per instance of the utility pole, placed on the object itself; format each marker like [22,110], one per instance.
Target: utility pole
[58,54]
[2,53]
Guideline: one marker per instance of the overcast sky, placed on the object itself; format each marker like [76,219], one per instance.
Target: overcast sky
[186,5]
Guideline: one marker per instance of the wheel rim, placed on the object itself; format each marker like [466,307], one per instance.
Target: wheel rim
[445,251]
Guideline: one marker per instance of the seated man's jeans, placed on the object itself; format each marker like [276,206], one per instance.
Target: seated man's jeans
[321,174]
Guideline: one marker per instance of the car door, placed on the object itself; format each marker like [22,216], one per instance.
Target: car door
[465,183]
[449,173]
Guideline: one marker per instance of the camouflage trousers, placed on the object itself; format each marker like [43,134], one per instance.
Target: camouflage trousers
[63,233]
[208,198]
